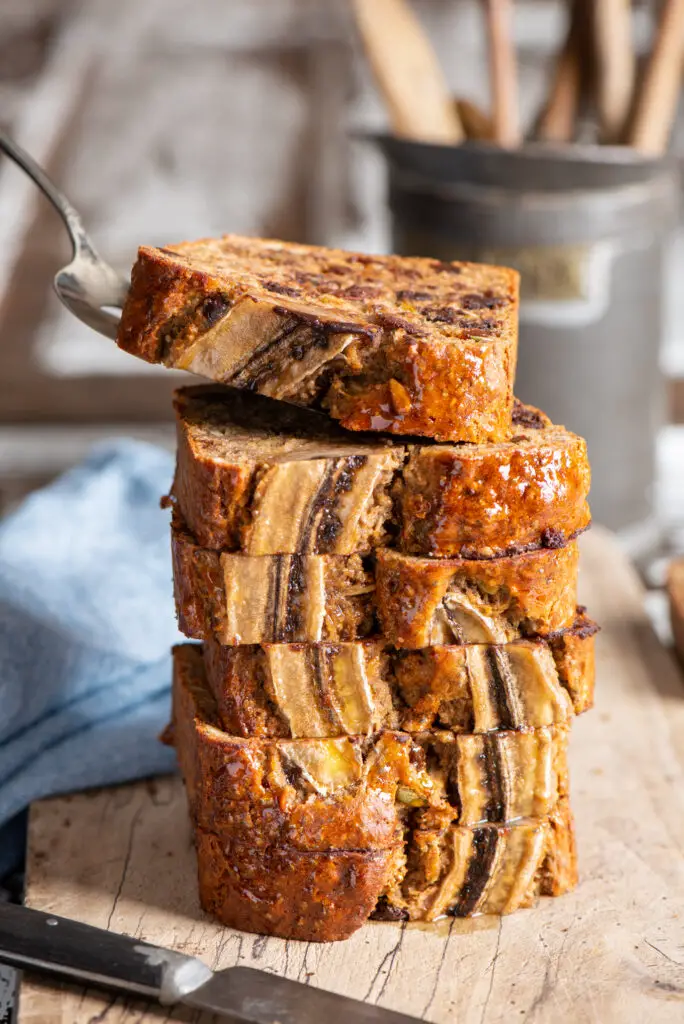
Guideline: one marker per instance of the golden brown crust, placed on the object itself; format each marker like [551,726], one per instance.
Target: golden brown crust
[414,386]
[315,897]
[399,344]
[357,688]
[351,793]
[484,501]
[423,601]
[262,477]
[245,599]
[675,590]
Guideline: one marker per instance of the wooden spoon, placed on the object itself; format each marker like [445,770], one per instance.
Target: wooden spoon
[476,124]
[615,66]
[556,122]
[503,72]
[656,104]
[407,72]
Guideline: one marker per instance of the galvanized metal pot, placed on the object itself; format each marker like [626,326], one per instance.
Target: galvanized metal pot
[587,228]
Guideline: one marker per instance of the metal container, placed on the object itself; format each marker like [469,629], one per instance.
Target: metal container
[587,228]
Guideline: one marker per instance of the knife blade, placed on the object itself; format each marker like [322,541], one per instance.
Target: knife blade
[35,941]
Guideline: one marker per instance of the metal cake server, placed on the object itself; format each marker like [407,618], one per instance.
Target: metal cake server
[88,287]
[76,952]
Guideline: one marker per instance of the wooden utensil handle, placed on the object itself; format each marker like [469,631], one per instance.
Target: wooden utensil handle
[558,117]
[503,72]
[476,124]
[407,72]
[615,65]
[656,106]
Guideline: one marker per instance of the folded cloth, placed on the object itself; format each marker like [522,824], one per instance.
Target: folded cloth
[86,623]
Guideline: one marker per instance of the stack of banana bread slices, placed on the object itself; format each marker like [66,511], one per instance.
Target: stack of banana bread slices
[375,723]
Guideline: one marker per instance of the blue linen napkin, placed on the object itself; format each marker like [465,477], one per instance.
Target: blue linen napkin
[86,623]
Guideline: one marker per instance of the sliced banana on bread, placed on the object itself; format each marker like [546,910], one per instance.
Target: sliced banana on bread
[262,478]
[413,813]
[357,688]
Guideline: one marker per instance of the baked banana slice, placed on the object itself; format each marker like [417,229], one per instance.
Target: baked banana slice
[261,477]
[359,687]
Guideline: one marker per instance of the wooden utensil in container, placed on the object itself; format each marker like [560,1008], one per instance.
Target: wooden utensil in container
[476,123]
[615,66]
[503,72]
[656,104]
[407,72]
[557,120]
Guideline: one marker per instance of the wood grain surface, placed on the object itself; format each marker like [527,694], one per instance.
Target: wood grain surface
[611,952]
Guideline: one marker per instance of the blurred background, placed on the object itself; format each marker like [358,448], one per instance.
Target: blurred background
[164,120]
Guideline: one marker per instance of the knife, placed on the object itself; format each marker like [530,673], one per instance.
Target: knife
[32,940]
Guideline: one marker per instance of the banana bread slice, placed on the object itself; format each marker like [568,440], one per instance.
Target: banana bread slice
[399,344]
[352,793]
[426,601]
[459,871]
[296,691]
[261,477]
[248,599]
[304,839]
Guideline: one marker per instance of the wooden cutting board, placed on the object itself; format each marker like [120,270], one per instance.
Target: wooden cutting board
[611,952]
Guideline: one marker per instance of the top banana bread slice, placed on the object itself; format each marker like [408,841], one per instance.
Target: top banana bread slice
[262,477]
[398,344]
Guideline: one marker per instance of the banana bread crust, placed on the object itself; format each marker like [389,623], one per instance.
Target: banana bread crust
[314,897]
[423,601]
[499,499]
[261,477]
[398,344]
[293,691]
[353,793]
